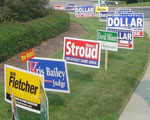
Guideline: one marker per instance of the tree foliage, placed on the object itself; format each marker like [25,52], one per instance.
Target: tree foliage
[22,10]
[136,1]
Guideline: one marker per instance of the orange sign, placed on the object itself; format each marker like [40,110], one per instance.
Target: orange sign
[27,55]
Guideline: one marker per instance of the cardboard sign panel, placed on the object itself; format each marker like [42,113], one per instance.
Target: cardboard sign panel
[84,11]
[59,7]
[123,11]
[70,7]
[54,71]
[96,4]
[103,15]
[82,52]
[102,2]
[125,37]
[44,104]
[100,9]
[134,21]
[109,40]
[27,55]
[25,86]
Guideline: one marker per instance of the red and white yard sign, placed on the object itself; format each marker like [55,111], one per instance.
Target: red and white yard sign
[82,52]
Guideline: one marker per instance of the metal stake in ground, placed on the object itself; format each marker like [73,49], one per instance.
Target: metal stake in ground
[106,59]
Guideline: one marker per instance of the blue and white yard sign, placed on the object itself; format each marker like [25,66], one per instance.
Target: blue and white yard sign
[134,21]
[70,7]
[125,37]
[123,11]
[54,71]
[84,11]
[103,15]
[102,2]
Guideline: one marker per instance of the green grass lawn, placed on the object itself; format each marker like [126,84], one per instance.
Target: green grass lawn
[96,94]
[132,5]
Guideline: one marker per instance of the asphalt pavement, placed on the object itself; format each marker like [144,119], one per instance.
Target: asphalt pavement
[64,2]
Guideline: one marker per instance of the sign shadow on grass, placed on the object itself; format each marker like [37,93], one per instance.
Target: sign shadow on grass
[55,99]
[115,56]
[86,77]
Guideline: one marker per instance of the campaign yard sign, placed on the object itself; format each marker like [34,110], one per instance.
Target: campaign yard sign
[100,9]
[103,15]
[82,52]
[96,4]
[84,11]
[70,7]
[134,21]
[25,86]
[103,2]
[44,104]
[125,37]
[109,40]
[123,11]
[54,71]
[27,55]
[59,7]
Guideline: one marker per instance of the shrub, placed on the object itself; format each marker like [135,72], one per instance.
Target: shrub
[17,37]
[146,0]
[22,10]
[132,1]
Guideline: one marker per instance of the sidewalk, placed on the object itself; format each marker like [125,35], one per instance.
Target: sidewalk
[138,107]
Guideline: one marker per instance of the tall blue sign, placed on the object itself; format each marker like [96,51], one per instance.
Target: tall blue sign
[134,21]
[54,71]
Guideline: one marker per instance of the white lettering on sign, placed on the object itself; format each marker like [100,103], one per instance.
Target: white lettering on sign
[126,36]
[119,22]
[55,72]
[82,51]
[59,84]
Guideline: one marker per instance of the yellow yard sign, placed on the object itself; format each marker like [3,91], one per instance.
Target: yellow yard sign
[25,86]
[100,9]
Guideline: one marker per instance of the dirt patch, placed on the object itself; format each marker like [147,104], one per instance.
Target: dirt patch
[47,48]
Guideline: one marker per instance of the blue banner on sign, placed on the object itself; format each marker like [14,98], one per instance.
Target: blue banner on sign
[82,61]
[123,11]
[54,71]
[84,11]
[104,14]
[125,37]
[70,6]
[133,20]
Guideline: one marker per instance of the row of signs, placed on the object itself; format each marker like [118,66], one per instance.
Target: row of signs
[120,18]
[26,85]
[69,7]
[52,73]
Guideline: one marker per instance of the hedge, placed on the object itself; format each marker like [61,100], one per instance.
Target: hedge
[18,37]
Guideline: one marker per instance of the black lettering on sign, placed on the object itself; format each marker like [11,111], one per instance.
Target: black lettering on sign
[23,86]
